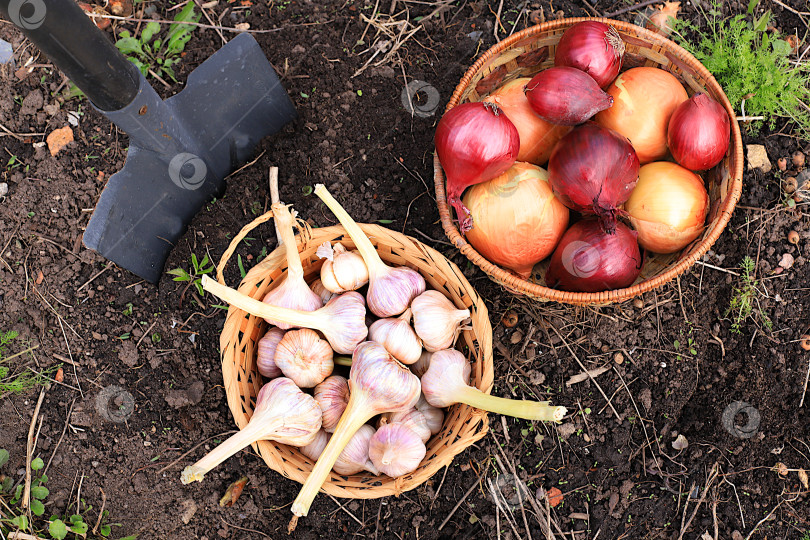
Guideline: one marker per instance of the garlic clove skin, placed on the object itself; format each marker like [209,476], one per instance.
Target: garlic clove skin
[433,415]
[342,270]
[283,413]
[304,357]
[414,420]
[396,450]
[266,353]
[354,457]
[318,288]
[436,320]
[393,290]
[419,367]
[332,396]
[314,449]
[398,338]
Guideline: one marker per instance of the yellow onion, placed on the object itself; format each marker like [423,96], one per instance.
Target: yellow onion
[668,207]
[517,219]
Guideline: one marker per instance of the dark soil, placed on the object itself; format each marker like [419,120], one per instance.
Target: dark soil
[681,365]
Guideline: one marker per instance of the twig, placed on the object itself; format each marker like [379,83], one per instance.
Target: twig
[145,334]
[498,22]
[89,281]
[208,18]
[806,378]
[205,26]
[62,436]
[436,495]
[460,502]
[570,350]
[15,355]
[712,476]
[242,168]
[26,498]
[243,528]
[100,512]
[713,267]
[631,8]
[343,507]
[17,535]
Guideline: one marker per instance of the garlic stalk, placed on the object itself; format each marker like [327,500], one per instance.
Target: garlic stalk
[436,320]
[396,450]
[398,338]
[266,354]
[434,416]
[293,292]
[390,289]
[354,457]
[318,288]
[332,396]
[446,383]
[414,420]
[283,413]
[342,320]
[342,270]
[304,357]
[314,449]
[421,366]
[377,384]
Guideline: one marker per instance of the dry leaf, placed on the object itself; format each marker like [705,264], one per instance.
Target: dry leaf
[40,277]
[663,17]
[680,443]
[60,375]
[102,24]
[781,468]
[584,376]
[803,478]
[233,492]
[555,497]
[59,138]
[122,8]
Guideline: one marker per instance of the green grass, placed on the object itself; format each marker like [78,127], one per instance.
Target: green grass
[745,299]
[753,64]
[16,381]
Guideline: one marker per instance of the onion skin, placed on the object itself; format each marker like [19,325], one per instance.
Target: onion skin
[517,219]
[668,207]
[644,100]
[475,142]
[589,260]
[593,170]
[698,133]
[593,47]
[537,136]
[566,96]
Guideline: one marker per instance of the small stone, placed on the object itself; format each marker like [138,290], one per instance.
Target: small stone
[618,358]
[6,52]
[298,49]
[736,535]
[758,158]
[638,303]
[187,510]
[566,430]
[3,189]
[786,261]
[58,139]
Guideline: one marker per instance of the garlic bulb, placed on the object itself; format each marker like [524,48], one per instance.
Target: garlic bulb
[396,450]
[266,353]
[342,270]
[314,449]
[332,395]
[446,383]
[433,415]
[318,288]
[304,357]
[413,420]
[436,320]
[283,413]
[378,384]
[293,292]
[390,289]
[354,457]
[398,338]
[421,366]
[342,320]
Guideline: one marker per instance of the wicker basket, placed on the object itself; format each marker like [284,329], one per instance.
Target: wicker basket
[532,50]
[463,425]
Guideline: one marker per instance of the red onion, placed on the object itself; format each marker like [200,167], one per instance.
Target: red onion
[566,96]
[594,47]
[593,170]
[475,143]
[698,133]
[589,260]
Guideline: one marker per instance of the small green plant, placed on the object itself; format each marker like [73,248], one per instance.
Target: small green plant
[150,52]
[194,276]
[18,381]
[745,299]
[751,64]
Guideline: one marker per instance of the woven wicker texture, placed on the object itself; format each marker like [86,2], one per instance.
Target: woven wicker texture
[532,50]
[463,425]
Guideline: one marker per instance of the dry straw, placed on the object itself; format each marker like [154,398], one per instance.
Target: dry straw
[463,425]
[532,50]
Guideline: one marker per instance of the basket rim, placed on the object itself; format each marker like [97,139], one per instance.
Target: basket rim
[525,287]
[476,421]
